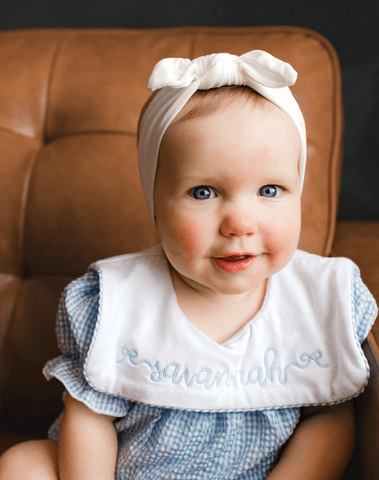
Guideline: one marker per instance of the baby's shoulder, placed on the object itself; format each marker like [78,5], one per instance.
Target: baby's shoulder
[317,267]
[82,298]
[312,259]
[122,265]
[317,277]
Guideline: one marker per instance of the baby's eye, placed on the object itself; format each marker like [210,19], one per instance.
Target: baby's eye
[270,191]
[202,193]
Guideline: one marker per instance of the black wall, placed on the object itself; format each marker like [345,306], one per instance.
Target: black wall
[352,27]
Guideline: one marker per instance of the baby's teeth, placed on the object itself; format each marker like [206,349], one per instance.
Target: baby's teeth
[235,258]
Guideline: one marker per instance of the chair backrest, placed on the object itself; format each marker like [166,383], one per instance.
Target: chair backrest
[69,185]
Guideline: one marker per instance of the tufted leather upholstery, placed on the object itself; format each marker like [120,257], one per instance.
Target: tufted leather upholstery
[70,191]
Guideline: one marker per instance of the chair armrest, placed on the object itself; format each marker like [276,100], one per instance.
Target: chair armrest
[368,416]
[359,241]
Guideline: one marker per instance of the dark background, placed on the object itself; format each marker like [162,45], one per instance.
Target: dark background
[352,27]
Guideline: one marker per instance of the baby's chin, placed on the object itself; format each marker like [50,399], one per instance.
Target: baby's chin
[228,284]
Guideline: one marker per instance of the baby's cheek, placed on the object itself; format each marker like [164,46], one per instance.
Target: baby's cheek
[285,235]
[191,237]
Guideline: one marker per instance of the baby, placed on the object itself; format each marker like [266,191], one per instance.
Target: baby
[224,352]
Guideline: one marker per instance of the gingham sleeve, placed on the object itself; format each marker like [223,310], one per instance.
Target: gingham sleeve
[363,306]
[76,321]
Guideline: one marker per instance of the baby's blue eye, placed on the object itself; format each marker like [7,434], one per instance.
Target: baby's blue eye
[270,191]
[202,193]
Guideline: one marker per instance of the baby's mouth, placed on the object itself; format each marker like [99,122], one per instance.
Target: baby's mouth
[234,262]
[234,258]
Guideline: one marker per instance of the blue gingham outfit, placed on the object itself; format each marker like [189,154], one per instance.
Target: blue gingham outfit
[164,443]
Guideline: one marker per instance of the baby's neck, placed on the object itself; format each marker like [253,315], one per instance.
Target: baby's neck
[218,316]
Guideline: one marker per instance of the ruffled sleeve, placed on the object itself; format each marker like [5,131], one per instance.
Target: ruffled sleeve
[363,306]
[76,322]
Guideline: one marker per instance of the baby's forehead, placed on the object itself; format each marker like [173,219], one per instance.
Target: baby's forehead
[220,115]
[197,136]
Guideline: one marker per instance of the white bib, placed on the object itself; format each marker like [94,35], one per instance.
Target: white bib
[299,349]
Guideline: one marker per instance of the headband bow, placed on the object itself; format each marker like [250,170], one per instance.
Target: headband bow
[179,78]
[221,69]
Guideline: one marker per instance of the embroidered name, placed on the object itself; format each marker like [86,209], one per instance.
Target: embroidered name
[206,377]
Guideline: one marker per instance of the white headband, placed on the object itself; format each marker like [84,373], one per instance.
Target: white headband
[180,78]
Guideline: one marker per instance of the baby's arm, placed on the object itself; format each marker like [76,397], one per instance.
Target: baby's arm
[320,446]
[88,445]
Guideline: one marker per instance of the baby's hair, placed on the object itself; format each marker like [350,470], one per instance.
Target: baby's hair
[205,102]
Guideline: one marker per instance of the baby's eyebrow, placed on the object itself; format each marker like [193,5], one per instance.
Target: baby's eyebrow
[274,177]
[197,178]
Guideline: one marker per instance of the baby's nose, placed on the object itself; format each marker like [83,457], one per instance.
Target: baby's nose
[238,224]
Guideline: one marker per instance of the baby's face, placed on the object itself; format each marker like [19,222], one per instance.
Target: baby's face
[228,184]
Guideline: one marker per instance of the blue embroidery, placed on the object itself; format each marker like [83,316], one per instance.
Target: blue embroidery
[205,376]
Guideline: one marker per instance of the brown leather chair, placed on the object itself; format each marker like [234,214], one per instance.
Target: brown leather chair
[70,192]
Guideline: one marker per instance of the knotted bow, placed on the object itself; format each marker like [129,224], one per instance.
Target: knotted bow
[221,69]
